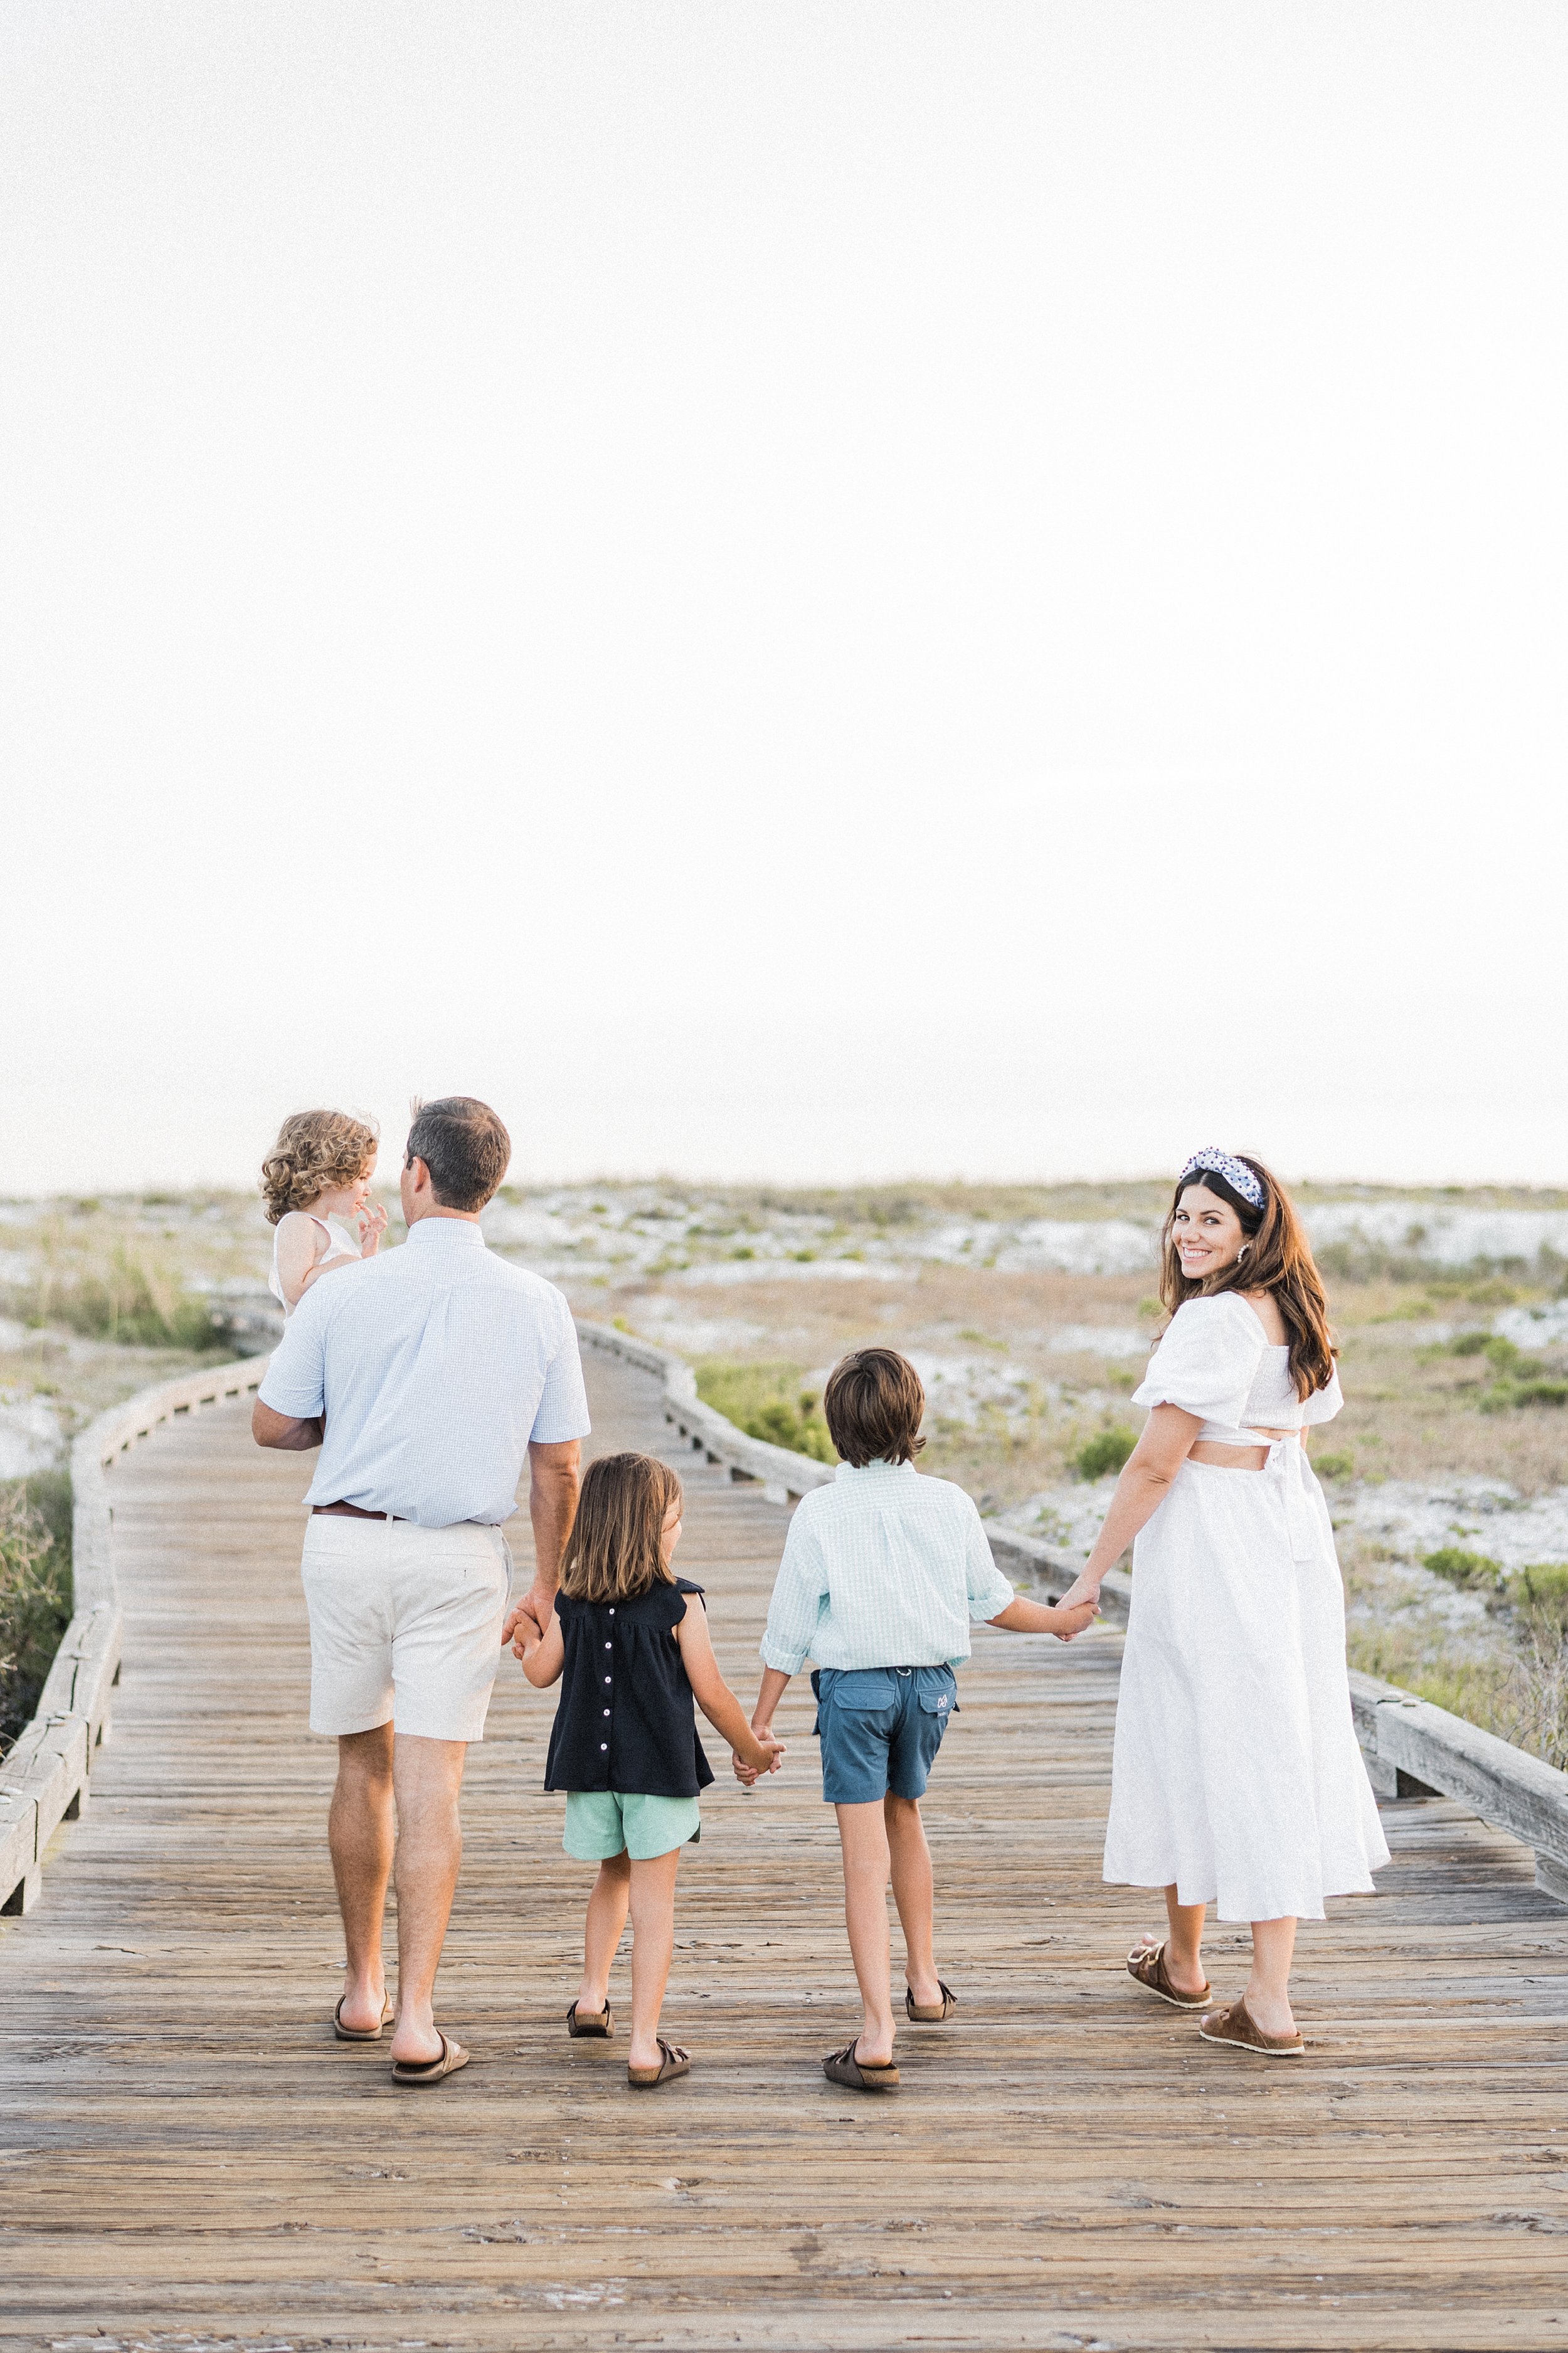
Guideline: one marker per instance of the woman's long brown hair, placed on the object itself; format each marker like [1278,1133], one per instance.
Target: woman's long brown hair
[613,1551]
[1279,1260]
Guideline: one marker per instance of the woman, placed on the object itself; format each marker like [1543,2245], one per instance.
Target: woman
[1236,1779]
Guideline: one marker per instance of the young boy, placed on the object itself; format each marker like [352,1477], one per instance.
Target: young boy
[881,1575]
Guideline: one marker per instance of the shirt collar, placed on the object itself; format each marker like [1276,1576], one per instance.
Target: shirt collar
[447,1233]
[874,1470]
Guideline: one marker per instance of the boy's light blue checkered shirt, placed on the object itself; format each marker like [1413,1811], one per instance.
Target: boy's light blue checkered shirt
[883,1569]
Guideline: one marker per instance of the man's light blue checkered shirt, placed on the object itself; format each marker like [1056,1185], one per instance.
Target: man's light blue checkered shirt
[883,1569]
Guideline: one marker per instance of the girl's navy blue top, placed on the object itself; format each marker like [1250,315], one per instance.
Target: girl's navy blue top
[625,1719]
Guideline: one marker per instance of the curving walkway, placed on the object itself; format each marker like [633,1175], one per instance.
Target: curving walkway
[186,2159]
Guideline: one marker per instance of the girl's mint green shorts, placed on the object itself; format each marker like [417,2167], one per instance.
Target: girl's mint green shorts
[603,1822]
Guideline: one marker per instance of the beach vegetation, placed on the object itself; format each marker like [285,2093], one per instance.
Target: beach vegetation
[768,1401]
[1099,1456]
[34,1590]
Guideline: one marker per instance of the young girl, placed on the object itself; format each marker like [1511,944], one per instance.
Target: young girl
[632,1639]
[317,1175]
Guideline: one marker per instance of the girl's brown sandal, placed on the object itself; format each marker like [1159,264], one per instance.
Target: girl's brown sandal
[599,2024]
[931,2014]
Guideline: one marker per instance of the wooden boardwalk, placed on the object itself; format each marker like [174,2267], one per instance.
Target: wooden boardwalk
[187,2160]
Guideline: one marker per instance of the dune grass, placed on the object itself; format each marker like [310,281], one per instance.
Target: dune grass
[34,1590]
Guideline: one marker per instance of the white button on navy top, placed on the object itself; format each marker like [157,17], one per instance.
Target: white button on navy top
[604,1747]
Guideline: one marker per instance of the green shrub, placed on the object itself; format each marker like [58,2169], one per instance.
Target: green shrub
[1465,1568]
[125,1299]
[1334,1466]
[34,1590]
[1540,1594]
[767,1401]
[1541,1392]
[1105,1451]
[1468,1343]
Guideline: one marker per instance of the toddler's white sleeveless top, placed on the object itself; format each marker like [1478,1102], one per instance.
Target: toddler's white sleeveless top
[1216,1360]
[340,1244]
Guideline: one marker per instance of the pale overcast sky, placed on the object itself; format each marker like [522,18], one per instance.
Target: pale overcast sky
[786,590]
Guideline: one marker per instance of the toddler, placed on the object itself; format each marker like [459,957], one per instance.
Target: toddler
[630,1638]
[881,1576]
[317,1175]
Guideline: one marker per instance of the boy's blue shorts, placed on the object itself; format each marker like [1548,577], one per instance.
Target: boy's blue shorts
[880,1728]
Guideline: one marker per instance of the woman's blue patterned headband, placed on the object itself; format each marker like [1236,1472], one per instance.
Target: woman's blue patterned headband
[1237,1174]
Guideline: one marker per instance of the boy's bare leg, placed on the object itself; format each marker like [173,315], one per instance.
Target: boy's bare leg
[863,1835]
[360,1835]
[602,1931]
[653,1946]
[914,1893]
[1184,1945]
[427,1775]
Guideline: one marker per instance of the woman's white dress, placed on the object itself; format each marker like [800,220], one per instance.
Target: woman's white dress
[1236,1773]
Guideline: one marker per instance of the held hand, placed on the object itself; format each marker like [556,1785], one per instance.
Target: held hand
[1075,1618]
[745,1774]
[1086,1590]
[521,1630]
[773,1753]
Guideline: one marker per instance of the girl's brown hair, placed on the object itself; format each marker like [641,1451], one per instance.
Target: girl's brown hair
[1278,1258]
[316,1151]
[613,1551]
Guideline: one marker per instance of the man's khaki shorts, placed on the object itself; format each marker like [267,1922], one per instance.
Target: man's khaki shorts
[405,1625]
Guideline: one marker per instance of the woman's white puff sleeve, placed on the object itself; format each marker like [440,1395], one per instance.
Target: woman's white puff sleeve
[1207,1361]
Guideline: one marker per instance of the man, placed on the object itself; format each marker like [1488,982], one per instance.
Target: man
[424,1377]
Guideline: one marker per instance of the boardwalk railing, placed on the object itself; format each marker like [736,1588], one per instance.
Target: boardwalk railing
[1411,1748]
[45,1778]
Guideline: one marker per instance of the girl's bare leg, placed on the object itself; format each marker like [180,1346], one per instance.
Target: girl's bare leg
[653,1946]
[863,1835]
[1268,1987]
[1184,1945]
[914,1893]
[602,1932]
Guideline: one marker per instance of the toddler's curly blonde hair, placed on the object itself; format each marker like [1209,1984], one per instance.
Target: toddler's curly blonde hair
[316,1151]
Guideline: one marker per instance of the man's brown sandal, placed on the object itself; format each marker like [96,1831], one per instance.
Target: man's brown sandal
[581,2023]
[931,2014]
[858,2074]
[359,2033]
[672,2062]
[1235,2028]
[1146,1967]
[431,2071]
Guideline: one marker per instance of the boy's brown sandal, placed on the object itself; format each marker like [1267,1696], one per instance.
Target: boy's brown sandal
[672,2060]
[581,2024]
[931,2014]
[1146,1967]
[843,2067]
[1235,2027]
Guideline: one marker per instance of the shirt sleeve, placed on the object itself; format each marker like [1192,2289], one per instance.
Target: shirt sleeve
[1207,1361]
[562,1412]
[296,1379]
[800,1590]
[989,1590]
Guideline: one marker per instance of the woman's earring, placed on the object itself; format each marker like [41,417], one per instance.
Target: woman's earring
[1241,1253]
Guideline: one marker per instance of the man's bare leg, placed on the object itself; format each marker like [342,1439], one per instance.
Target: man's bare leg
[427,1775]
[360,1835]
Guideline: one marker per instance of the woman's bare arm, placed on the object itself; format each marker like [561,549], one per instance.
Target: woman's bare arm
[1169,1435]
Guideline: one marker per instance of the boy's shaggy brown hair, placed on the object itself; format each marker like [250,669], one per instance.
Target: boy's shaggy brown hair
[316,1151]
[614,1552]
[873,1403]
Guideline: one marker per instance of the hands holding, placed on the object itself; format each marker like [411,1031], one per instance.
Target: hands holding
[526,1623]
[768,1756]
[1076,1615]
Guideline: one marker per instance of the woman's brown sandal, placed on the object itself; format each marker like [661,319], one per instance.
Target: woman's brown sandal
[672,2060]
[858,2074]
[590,2023]
[1146,1967]
[1235,2028]
[931,2014]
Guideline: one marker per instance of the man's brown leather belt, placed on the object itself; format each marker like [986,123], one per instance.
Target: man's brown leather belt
[349,1511]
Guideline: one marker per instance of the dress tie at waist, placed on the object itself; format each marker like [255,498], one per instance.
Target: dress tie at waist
[1287,1467]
